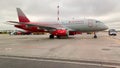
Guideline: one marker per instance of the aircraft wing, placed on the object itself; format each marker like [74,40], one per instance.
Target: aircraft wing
[46,27]
[50,27]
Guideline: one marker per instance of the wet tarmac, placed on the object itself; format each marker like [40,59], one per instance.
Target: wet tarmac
[84,48]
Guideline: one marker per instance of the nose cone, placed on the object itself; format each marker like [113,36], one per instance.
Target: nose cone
[105,27]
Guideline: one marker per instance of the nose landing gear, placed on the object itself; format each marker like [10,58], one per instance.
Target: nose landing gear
[95,36]
[51,36]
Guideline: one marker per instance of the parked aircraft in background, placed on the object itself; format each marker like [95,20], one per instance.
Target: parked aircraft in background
[61,28]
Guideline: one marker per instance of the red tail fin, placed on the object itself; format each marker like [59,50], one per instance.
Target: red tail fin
[21,16]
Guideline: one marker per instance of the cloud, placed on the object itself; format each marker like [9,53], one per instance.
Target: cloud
[92,7]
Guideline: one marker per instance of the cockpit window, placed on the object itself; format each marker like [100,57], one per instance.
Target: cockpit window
[98,22]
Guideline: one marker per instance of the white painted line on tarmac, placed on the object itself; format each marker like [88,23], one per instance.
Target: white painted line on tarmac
[58,61]
[8,48]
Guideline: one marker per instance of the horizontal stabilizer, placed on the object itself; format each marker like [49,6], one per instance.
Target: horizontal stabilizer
[13,23]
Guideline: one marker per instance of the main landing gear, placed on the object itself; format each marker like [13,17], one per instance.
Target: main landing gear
[95,36]
[51,36]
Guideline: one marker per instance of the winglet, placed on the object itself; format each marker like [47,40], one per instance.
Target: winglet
[21,16]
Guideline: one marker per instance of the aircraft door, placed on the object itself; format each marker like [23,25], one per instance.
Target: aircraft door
[90,23]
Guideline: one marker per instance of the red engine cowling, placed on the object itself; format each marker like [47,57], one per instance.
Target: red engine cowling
[59,32]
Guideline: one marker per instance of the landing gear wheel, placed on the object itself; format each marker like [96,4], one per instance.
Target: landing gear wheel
[95,36]
[51,36]
[58,37]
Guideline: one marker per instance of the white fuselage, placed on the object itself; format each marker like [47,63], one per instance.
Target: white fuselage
[86,25]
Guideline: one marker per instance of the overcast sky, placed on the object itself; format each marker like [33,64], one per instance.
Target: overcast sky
[107,11]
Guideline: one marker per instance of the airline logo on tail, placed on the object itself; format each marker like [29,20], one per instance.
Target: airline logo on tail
[21,16]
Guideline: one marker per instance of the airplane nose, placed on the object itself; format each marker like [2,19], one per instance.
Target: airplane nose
[105,27]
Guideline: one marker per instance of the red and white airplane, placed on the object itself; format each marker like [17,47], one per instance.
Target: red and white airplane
[61,28]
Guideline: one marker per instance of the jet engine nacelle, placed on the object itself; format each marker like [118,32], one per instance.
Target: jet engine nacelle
[59,32]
